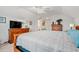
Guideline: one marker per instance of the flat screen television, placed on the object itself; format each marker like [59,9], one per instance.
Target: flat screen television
[15,24]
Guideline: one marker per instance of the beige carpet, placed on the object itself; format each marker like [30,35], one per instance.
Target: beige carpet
[6,47]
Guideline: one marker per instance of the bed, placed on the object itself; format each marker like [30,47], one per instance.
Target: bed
[45,41]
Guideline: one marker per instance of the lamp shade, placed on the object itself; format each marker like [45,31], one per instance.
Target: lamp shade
[71,25]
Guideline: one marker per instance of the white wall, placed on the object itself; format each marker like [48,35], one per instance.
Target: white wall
[4,29]
[66,21]
[73,12]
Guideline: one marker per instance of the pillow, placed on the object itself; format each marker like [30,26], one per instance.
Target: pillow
[74,35]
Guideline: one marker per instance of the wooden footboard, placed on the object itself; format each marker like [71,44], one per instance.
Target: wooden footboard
[14,43]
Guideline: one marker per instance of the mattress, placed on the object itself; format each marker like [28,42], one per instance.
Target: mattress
[46,41]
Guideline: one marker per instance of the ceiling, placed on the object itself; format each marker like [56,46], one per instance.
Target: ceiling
[28,12]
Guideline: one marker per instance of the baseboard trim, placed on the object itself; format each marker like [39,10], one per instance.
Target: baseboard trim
[3,44]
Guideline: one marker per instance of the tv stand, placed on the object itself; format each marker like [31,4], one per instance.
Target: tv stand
[13,31]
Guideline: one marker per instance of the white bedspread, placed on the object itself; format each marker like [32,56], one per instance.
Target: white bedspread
[46,41]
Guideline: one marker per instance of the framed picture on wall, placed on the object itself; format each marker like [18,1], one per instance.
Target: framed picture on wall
[2,19]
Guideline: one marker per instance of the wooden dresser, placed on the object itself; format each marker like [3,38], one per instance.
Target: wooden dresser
[56,27]
[16,31]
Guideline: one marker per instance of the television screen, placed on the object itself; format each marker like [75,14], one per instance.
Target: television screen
[15,24]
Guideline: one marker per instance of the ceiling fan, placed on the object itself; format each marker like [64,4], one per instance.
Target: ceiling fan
[41,9]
